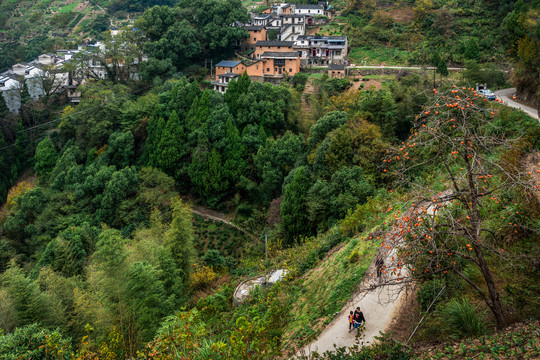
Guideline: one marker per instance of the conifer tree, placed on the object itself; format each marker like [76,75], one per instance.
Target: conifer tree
[155,129]
[46,157]
[25,95]
[179,239]
[172,147]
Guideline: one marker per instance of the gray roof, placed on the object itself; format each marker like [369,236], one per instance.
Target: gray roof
[274,43]
[253,27]
[276,54]
[293,16]
[336,67]
[308,6]
[229,75]
[228,63]
[325,37]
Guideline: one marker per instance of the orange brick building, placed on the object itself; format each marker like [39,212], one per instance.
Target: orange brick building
[271,64]
[272,46]
[256,33]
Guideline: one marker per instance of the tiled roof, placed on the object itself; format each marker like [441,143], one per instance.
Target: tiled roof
[325,37]
[253,27]
[275,54]
[229,75]
[228,63]
[336,67]
[274,43]
[308,6]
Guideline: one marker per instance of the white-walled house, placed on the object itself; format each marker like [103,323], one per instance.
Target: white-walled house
[10,88]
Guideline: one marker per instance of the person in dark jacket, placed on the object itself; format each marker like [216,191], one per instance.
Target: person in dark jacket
[358,319]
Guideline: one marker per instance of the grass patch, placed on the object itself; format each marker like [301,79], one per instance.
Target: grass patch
[379,77]
[378,55]
[317,298]
[68,8]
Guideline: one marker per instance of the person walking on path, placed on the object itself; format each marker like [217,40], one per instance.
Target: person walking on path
[358,319]
[351,317]
[379,264]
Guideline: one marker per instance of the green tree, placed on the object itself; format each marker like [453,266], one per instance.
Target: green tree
[30,304]
[35,342]
[235,155]
[293,209]
[324,125]
[179,240]
[25,95]
[146,296]
[154,129]
[274,161]
[45,158]
[120,149]
[472,52]
[329,201]
[171,148]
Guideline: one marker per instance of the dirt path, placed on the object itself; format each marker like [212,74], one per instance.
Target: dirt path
[212,215]
[380,303]
[506,94]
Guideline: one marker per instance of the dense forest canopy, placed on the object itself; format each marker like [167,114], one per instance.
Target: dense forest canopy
[107,247]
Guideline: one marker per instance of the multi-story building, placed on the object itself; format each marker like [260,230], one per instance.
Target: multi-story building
[272,46]
[256,33]
[270,65]
[321,50]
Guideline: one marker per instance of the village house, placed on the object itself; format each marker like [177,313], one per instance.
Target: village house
[256,33]
[321,50]
[336,71]
[271,65]
[272,46]
[279,64]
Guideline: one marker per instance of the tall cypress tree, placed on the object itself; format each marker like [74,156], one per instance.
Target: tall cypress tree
[25,94]
[171,148]
[179,239]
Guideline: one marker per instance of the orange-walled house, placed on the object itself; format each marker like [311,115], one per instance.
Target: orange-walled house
[336,70]
[256,33]
[272,46]
[277,64]
[271,65]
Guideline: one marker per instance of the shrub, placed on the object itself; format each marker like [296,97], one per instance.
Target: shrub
[354,257]
[462,319]
[429,291]
[202,277]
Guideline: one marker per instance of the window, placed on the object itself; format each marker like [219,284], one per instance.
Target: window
[290,70]
[254,39]
[275,69]
[268,69]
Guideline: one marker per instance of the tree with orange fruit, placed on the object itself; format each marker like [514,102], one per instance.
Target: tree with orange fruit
[447,228]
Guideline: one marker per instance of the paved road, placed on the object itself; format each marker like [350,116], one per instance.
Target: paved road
[506,96]
[354,66]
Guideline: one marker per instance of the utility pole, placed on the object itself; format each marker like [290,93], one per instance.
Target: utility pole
[266,244]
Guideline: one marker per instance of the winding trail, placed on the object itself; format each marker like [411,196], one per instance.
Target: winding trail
[505,94]
[221,218]
[379,299]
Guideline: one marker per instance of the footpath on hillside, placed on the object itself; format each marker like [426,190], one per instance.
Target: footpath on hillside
[379,299]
